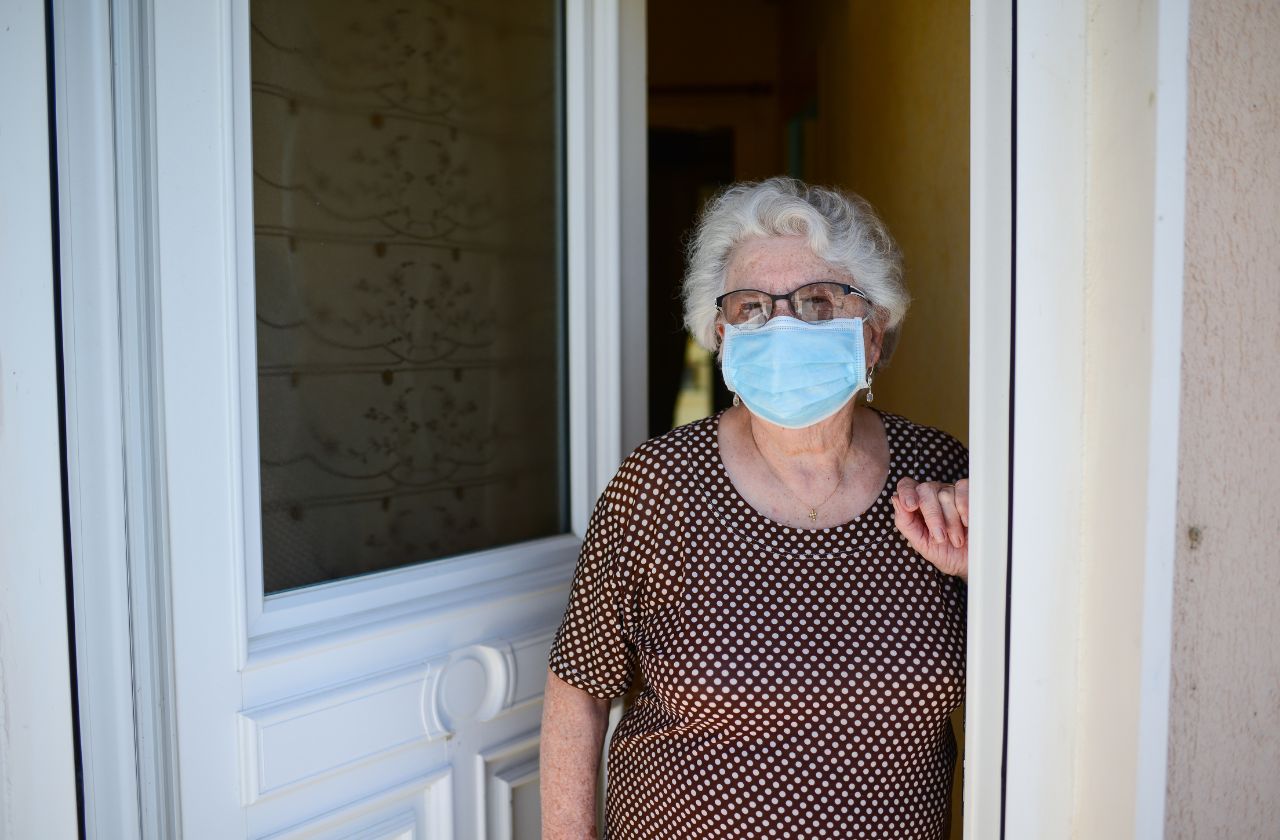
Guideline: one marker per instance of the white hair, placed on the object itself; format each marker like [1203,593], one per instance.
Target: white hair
[842,229]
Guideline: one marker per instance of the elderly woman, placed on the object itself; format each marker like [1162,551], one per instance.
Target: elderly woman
[788,576]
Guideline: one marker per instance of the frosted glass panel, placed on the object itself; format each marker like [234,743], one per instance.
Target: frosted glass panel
[407,219]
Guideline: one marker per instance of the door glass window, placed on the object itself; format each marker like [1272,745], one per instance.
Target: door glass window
[408,221]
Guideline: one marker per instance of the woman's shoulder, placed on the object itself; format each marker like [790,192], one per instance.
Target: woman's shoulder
[671,461]
[927,452]
[686,447]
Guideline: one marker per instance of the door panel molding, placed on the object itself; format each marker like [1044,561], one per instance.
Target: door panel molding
[397,702]
[410,706]
[418,809]
[503,771]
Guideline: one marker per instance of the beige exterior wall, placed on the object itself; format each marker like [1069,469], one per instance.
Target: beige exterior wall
[1224,748]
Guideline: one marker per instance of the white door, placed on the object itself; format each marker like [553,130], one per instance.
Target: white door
[388,269]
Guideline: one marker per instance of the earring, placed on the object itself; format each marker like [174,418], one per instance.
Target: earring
[736,400]
[871,374]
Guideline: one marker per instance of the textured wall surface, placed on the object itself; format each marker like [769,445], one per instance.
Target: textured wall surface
[1224,751]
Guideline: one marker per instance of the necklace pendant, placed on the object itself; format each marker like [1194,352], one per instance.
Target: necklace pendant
[813,515]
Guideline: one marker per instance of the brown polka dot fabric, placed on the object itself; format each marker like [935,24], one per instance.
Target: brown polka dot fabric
[797,683]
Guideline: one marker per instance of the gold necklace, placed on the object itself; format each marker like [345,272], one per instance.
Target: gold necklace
[813,510]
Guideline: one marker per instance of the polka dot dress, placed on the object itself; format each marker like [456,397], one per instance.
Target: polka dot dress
[796,683]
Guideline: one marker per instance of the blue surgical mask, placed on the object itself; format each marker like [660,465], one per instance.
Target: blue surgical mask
[793,373]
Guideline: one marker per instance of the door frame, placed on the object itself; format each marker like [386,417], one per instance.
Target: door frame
[38,795]
[1173,35]
[111,199]
[96,421]
[991,243]
[1061,131]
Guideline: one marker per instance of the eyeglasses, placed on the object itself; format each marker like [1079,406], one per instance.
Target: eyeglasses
[812,302]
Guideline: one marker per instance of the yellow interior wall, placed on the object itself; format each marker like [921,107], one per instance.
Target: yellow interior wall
[894,127]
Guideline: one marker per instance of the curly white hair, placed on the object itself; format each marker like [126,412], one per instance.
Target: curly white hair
[842,229]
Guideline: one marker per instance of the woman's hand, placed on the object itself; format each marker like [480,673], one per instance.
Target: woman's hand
[934,517]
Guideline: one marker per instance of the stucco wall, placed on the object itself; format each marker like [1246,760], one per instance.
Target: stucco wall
[1224,750]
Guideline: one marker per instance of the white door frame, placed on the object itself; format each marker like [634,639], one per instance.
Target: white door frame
[1172,43]
[115,444]
[115,469]
[990,368]
[37,752]
[1048,385]
[1054,144]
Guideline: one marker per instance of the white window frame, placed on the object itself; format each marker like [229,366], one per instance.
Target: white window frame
[594,207]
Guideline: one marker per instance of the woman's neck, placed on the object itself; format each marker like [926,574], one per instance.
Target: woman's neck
[824,445]
[820,476]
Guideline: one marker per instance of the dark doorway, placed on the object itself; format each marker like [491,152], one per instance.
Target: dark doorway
[685,168]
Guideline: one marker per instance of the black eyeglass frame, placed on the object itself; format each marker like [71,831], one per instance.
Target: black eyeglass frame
[788,296]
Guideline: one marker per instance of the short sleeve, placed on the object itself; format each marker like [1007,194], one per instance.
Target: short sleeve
[593,649]
[938,456]
[955,460]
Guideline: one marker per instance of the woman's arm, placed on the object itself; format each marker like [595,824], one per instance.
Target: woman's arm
[573,724]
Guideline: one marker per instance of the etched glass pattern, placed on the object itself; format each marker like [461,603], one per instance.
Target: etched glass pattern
[409,283]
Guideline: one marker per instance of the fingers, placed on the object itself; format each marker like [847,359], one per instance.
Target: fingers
[951,515]
[909,524]
[943,508]
[934,519]
[931,510]
[907,493]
